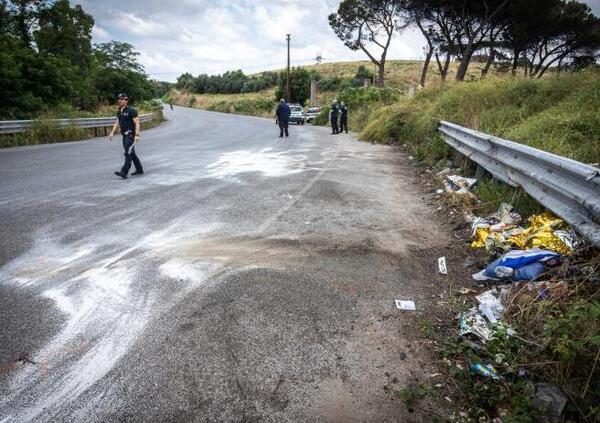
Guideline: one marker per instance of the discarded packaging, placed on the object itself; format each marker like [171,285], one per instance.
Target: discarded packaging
[494,231]
[550,401]
[461,181]
[518,265]
[506,215]
[485,370]
[405,305]
[442,265]
[545,231]
[491,303]
[473,322]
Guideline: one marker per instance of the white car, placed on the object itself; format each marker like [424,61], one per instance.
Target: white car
[312,113]
[297,115]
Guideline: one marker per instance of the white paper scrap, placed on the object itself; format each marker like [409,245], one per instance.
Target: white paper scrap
[442,265]
[405,305]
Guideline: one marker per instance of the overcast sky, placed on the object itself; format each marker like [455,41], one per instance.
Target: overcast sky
[213,36]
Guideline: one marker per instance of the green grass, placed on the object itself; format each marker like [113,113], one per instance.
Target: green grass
[261,103]
[557,114]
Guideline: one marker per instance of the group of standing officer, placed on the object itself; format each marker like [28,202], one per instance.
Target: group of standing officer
[128,122]
[340,111]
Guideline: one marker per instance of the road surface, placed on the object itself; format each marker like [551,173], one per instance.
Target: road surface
[244,277]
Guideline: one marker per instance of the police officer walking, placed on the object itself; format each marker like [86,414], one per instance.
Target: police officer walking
[344,117]
[334,118]
[282,115]
[129,122]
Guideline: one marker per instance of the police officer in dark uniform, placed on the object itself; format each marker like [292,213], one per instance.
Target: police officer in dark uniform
[282,114]
[334,118]
[343,117]
[129,123]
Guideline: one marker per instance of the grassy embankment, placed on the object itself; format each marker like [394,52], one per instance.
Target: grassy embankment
[559,338]
[399,75]
[45,132]
[254,104]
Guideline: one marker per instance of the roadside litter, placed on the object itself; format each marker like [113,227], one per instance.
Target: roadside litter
[550,400]
[405,305]
[494,231]
[485,370]
[500,232]
[491,303]
[456,184]
[519,265]
[442,266]
[546,231]
[473,322]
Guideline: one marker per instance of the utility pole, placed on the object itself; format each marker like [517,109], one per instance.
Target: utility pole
[287,83]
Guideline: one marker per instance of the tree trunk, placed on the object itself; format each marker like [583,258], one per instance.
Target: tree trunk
[446,67]
[515,65]
[464,63]
[381,74]
[440,67]
[426,67]
[488,64]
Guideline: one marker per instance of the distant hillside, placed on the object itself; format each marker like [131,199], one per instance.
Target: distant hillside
[399,75]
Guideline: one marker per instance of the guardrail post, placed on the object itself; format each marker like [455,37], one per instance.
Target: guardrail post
[480,172]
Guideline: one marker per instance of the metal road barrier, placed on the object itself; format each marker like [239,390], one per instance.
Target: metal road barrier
[16,126]
[567,187]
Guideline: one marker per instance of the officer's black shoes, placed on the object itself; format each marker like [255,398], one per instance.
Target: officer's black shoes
[137,173]
[121,174]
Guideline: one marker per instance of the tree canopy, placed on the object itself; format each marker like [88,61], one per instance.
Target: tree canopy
[47,60]
[532,34]
[368,25]
[232,82]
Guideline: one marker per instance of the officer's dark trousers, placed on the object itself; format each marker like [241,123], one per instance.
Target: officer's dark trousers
[283,127]
[344,124]
[130,156]
[334,126]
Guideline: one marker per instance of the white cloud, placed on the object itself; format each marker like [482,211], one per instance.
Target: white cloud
[129,22]
[100,34]
[213,36]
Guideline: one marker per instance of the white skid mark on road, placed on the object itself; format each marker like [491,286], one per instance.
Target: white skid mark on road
[266,161]
[99,286]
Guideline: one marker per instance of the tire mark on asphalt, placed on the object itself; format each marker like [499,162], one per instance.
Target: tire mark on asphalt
[304,190]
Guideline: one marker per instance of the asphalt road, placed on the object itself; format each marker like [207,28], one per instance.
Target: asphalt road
[244,277]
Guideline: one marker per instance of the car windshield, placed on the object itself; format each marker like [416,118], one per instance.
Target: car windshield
[296,109]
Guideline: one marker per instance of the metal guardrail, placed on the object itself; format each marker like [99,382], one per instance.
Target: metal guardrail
[567,187]
[16,126]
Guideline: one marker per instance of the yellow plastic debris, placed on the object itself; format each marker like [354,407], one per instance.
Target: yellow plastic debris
[542,233]
[481,235]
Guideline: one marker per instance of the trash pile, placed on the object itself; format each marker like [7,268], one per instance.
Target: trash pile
[502,231]
[520,253]
[456,184]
